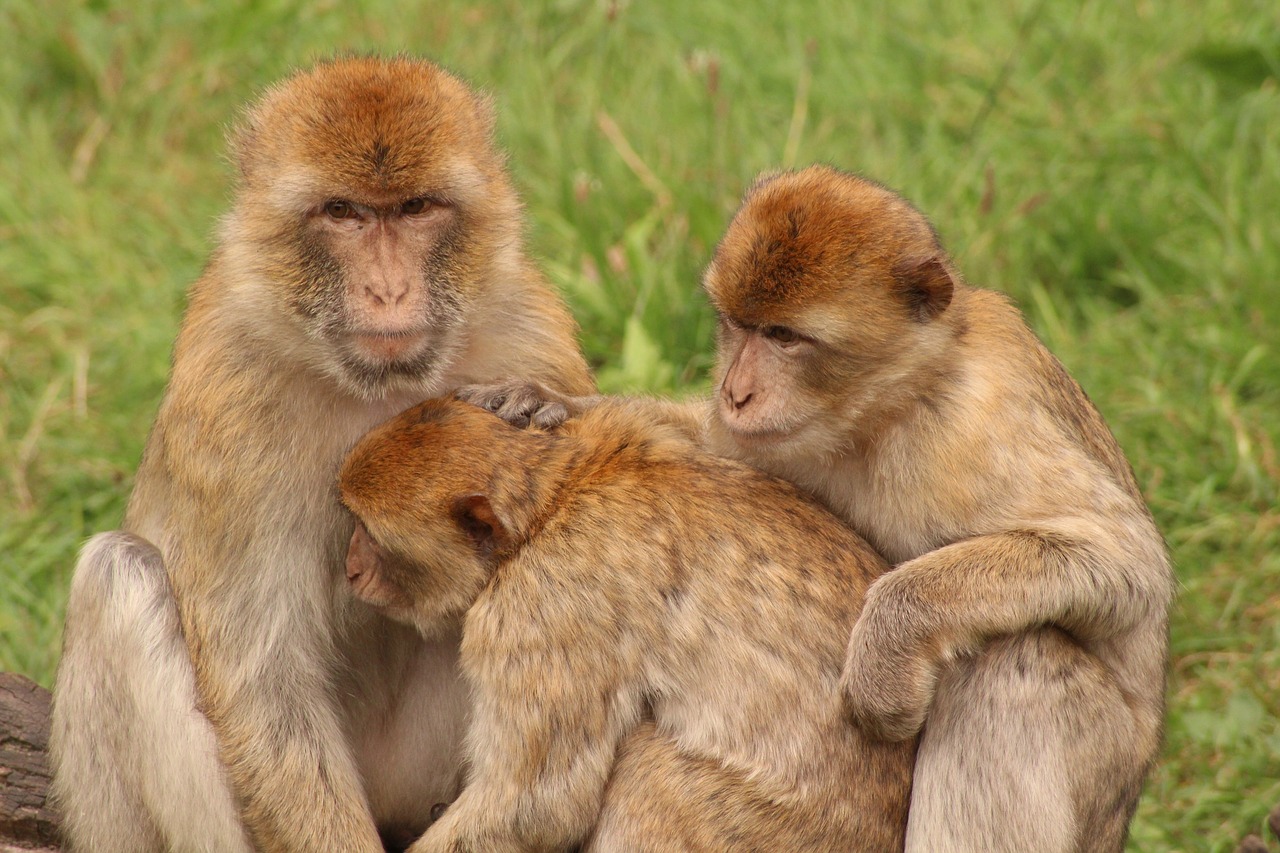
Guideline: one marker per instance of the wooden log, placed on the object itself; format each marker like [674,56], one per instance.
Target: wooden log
[27,824]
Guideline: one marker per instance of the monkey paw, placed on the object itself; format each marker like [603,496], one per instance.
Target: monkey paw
[520,404]
[885,694]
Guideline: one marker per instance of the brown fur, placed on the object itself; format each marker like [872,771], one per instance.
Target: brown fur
[1025,624]
[606,573]
[373,257]
[926,414]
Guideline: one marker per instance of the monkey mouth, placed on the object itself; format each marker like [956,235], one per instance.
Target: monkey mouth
[760,441]
[388,348]
[752,434]
[764,441]
[374,359]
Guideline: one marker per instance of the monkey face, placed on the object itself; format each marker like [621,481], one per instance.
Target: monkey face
[825,285]
[380,211]
[375,574]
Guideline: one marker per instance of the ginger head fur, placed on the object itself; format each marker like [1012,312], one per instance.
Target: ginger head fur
[831,291]
[387,168]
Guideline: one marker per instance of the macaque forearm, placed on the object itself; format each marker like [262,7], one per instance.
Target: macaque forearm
[962,594]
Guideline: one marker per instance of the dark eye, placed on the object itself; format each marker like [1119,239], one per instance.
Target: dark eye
[339,209]
[414,206]
[782,335]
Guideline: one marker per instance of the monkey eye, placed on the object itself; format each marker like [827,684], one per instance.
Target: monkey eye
[339,209]
[782,335]
[726,322]
[414,206]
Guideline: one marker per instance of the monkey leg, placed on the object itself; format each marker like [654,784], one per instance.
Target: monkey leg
[662,800]
[1028,746]
[135,763]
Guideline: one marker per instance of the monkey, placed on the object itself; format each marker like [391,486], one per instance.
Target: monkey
[1023,630]
[625,594]
[219,689]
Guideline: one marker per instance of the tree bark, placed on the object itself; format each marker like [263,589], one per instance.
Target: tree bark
[27,823]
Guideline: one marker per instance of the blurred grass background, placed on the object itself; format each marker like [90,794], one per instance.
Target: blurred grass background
[1113,166]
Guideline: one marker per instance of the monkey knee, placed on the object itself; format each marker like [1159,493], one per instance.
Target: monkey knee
[117,565]
[1029,744]
[1038,668]
[119,586]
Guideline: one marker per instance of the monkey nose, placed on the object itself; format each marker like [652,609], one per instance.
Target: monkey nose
[732,400]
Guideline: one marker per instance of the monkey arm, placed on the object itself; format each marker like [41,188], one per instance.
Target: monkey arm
[280,735]
[947,602]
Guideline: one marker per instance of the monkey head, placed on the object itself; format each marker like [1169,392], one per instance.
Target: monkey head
[372,205]
[434,512]
[830,290]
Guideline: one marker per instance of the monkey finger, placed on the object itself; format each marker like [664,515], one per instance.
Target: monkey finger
[887,700]
[550,415]
[516,411]
[487,397]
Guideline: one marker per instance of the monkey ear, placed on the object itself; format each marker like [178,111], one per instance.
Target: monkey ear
[924,284]
[475,515]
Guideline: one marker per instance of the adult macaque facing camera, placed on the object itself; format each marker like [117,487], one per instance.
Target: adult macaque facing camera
[219,690]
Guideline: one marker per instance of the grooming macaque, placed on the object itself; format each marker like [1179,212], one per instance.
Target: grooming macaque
[1025,622]
[610,572]
[221,690]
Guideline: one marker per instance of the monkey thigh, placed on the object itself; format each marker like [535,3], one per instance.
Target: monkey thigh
[1029,745]
[136,766]
[662,800]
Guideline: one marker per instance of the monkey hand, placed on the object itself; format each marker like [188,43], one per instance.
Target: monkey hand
[888,679]
[519,403]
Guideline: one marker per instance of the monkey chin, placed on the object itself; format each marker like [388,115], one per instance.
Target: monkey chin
[774,447]
[376,365]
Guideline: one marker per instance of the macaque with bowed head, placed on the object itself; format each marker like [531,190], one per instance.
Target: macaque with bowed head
[1024,628]
[653,637]
[219,690]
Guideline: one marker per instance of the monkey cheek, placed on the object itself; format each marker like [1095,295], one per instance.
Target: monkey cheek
[364,575]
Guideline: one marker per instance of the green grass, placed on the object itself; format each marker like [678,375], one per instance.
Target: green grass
[1113,166]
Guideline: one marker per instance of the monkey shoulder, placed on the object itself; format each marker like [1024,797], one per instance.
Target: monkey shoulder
[1028,392]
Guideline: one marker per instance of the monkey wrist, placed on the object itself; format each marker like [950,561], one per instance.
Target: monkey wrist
[896,618]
